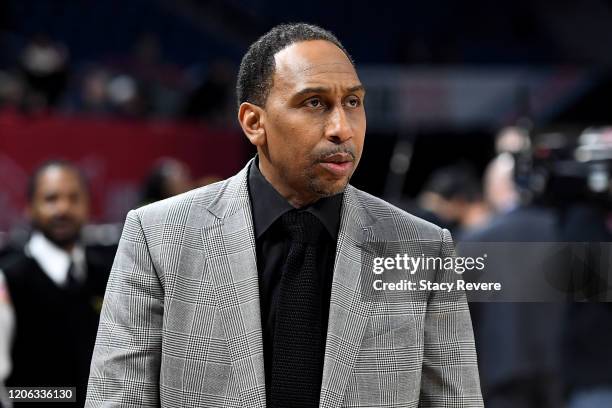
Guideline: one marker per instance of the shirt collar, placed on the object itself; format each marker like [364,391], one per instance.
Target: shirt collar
[55,261]
[268,205]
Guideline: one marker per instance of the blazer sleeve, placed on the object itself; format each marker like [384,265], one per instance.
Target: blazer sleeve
[450,370]
[125,365]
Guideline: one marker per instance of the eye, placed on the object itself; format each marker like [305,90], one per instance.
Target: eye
[313,103]
[353,101]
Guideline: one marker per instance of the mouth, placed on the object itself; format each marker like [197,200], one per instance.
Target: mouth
[62,226]
[339,164]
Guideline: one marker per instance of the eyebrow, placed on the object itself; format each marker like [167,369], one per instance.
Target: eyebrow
[322,89]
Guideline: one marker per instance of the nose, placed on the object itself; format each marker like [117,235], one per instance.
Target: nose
[338,129]
[63,206]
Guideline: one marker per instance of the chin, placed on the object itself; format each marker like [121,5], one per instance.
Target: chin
[63,240]
[327,189]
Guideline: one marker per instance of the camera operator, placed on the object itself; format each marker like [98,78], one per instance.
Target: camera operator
[581,188]
[518,342]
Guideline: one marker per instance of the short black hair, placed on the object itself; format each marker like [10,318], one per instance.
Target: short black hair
[456,181]
[40,170]
[257,66]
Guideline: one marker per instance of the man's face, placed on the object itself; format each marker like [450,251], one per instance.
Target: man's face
[314,122]
[60,205]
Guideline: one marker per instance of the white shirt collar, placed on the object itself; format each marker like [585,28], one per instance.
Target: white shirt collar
[55,261]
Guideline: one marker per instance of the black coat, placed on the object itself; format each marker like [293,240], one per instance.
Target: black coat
[55,326]
[519,343]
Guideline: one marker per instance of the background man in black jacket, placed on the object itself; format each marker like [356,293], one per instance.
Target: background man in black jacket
[55,285]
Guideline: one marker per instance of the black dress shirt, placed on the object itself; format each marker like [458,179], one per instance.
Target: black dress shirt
[272,247]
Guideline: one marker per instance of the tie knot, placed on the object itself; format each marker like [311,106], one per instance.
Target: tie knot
[302,226]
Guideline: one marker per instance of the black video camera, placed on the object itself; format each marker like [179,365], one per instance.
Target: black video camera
[561,169]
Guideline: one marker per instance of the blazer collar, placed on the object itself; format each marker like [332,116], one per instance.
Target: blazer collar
[234,195]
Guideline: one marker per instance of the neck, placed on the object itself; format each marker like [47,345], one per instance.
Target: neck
[296,198]
[65,246]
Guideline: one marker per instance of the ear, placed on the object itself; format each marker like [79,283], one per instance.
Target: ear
[252,118]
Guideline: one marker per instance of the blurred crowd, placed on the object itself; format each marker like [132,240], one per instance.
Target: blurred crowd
[141,84]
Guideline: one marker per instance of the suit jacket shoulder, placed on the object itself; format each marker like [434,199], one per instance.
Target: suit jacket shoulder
[394,222]
[199,198]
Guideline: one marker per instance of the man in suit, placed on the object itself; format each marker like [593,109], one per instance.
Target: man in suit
[518,341]
[55,286]
[249,292]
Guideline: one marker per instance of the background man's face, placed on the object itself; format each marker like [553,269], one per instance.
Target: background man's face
[314,121]
[60,205]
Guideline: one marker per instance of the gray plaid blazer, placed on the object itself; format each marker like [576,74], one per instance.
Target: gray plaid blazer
[181,325]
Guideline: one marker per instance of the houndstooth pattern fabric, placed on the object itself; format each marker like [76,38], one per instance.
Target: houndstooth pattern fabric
[181,325]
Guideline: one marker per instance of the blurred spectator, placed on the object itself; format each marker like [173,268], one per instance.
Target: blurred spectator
[12,91]
[453,194]
[499,188]
[511,139]
[45,65]
[94,92]
[55,285]
[126,97]
[167,178]
[101,91]
[519,344]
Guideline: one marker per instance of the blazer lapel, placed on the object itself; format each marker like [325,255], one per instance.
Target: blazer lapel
[351,301]
[230,253]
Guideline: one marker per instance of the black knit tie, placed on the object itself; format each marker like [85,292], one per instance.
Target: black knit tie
[297,361]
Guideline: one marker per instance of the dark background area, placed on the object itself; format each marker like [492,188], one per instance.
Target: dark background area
[179,59]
